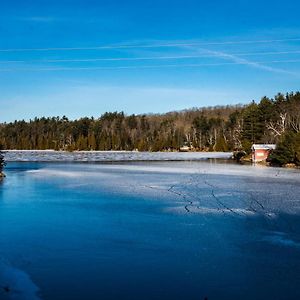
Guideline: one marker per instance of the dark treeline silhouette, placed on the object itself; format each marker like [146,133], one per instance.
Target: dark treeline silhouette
[220,128]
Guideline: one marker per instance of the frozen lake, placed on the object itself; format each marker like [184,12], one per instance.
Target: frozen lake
[100,156]
[149,230]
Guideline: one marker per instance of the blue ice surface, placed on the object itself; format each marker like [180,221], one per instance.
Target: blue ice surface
[113,231]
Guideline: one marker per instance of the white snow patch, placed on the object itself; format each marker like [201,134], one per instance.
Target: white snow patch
[16,284]
[282,240]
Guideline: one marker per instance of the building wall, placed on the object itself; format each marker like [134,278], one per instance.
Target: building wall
[260,155]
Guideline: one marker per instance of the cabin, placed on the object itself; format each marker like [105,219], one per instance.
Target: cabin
[260,152]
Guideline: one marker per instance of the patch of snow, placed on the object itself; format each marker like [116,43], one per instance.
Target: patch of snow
[282,240]
[15,284]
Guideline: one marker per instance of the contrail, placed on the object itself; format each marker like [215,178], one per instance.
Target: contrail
[259,65]
[149,45]
[147,58]
[155,66]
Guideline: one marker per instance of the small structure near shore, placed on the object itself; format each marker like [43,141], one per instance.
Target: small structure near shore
[260,152]
[187,147]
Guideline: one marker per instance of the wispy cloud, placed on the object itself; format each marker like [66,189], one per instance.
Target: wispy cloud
[101,21]
[38,19]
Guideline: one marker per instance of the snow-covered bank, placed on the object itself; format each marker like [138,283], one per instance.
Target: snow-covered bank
[94,156]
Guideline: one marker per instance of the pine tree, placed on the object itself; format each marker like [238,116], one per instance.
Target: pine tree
[287,151]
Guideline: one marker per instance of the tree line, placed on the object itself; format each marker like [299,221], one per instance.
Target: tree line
[219,128]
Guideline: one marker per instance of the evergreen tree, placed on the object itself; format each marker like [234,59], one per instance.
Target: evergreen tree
[287,151]
[253,127]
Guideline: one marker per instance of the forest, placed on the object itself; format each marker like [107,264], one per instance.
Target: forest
[219,128]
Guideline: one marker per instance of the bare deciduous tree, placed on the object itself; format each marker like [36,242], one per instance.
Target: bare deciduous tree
[278,128]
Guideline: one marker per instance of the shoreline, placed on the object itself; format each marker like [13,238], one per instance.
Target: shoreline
[109,151]
[111,156]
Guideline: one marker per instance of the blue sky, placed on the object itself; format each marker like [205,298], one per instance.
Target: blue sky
[82,58]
